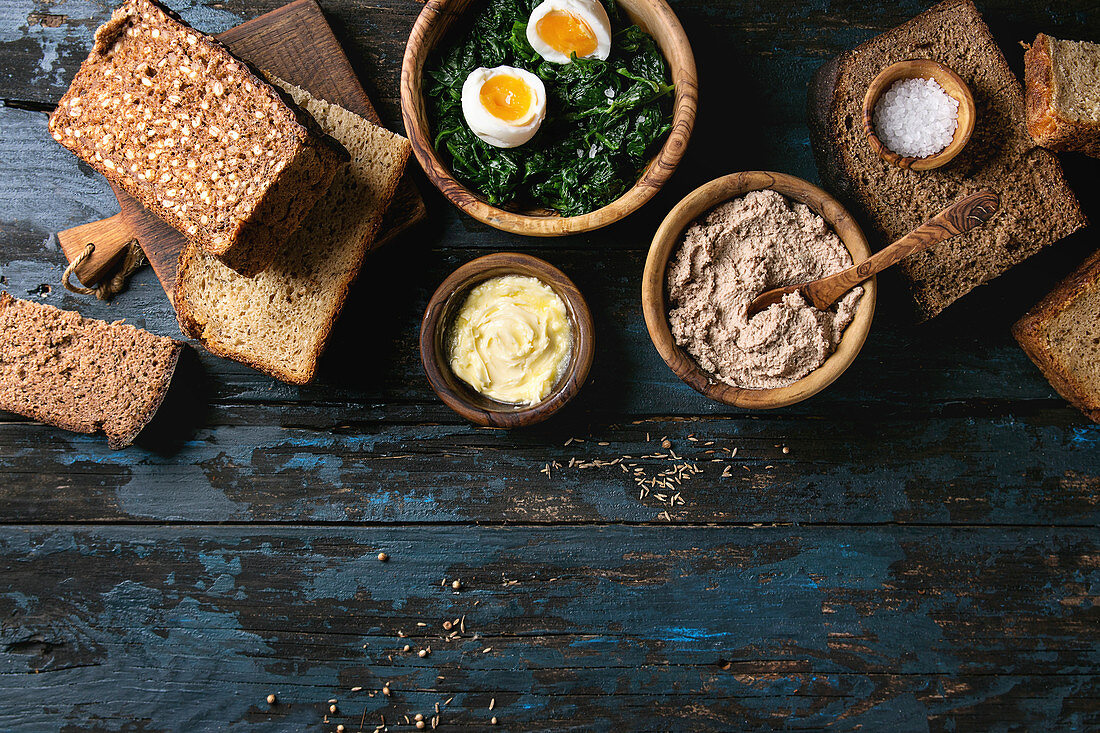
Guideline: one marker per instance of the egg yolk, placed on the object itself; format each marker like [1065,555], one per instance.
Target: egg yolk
[506,97]
[566,33]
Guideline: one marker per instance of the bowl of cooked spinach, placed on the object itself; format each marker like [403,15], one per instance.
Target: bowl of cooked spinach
[610,123]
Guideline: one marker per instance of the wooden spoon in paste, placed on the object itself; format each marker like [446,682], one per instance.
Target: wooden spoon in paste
[958,218]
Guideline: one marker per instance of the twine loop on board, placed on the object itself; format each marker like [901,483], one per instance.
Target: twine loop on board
[116,283]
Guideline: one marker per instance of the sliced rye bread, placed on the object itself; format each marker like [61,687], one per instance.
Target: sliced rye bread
[1037,206]
[168,114]
[279,321]
[1061,334]
[81,374]
[1063,94]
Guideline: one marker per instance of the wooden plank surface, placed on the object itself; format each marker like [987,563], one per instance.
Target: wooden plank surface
[923,555]
[564,628]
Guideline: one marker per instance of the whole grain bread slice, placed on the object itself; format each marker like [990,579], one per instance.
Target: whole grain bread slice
[279,321]
[1061,334]
[1037,206]
[1063,94]
[81,374]
[188,130]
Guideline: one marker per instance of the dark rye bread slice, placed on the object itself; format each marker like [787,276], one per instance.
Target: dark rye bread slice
[81,374]
[1062,336]
[189,131]
[1063,94]
[1037,206]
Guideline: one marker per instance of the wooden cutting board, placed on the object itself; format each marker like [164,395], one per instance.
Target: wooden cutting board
[294,43]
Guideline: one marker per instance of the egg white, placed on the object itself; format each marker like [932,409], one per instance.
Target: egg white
[591,12]
[490,128]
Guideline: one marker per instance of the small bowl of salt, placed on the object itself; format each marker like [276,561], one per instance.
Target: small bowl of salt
[918,114]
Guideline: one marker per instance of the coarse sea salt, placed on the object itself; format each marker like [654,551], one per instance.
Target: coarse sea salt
[916,118]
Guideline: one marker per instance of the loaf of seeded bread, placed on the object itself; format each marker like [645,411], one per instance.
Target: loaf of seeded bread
[1062,336]
[189,131]
[81,374]
[1063,94]
[1037,206]
[279,321]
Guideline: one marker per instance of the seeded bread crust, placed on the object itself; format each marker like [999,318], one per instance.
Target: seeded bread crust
[279,321]
[1037,206]
[1033,334]
[81,374]
[1048,125]
[188,130]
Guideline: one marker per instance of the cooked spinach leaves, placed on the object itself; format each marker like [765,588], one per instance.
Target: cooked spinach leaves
[604,119]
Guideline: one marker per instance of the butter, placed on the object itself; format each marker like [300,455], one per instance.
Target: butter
[511,340]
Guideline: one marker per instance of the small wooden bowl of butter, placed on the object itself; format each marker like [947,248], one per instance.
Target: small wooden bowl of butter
[506,340]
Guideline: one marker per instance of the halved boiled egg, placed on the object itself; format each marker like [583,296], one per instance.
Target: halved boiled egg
[503,106]
[558,28]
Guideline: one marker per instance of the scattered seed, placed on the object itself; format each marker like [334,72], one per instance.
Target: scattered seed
[424,652]
[340,728]
[447,625]
[382,557]
[493,721]
[332,709]
[418,716]
[420,725]
[492,703]
[786,449]
[356,689]
[271,699]
[406,648]
[456,584]
[386,691]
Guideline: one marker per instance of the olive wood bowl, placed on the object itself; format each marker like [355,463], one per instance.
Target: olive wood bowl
[951,83]
[442,307]
[668,239]
[653,16]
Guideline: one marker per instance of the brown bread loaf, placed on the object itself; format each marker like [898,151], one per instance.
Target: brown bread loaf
[1063,94]
[1037,206]
[81,374]
[186,129]
[1062,336]
[279,321]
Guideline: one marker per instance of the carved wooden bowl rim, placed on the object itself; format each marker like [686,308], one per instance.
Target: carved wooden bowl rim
[654,16]
[667,240]
[951,82]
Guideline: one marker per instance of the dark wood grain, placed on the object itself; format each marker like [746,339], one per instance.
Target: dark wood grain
[654,16]
[176,628]
[921,557]
[294,43]
[441,309]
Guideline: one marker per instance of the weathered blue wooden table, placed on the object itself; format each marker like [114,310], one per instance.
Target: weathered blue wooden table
[916,547]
